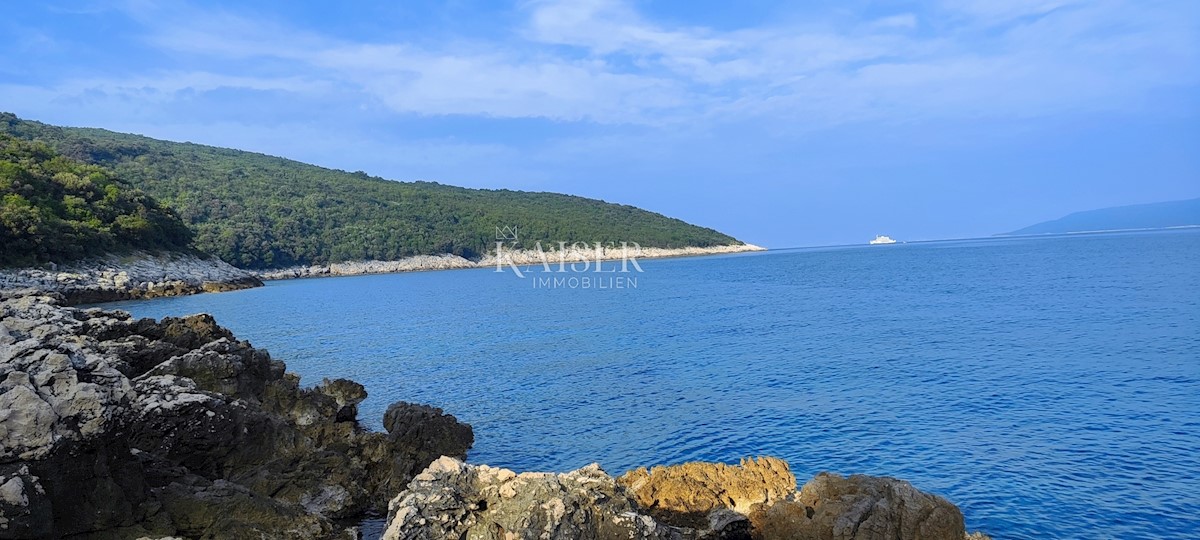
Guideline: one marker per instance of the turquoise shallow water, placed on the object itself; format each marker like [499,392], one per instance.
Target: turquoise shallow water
[1050,387]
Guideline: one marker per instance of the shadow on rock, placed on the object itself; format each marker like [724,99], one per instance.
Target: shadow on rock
[114,427]
[693,501]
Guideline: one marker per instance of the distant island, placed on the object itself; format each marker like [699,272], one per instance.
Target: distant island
[1138,216]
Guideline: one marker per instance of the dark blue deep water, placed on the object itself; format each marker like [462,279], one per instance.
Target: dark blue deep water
[1050,387]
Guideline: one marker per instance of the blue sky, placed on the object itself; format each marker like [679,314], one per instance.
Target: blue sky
[782,123]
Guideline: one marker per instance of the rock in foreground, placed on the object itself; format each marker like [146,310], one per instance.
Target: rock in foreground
[859,508]
[684,495]
[451,499]
[756,499]
[112,427]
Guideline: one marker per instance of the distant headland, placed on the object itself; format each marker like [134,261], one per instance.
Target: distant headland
[97,215]
[1162,215]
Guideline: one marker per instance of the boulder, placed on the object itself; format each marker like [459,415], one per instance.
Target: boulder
[832,507]
[684,495]
[419,434]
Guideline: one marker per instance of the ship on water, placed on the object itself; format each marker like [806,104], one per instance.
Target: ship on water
[883,239]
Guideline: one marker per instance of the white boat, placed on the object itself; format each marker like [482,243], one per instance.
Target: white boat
[883,239]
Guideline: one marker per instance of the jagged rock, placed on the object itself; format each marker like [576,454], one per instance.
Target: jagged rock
[189,332]
[119,428]
[684,495]
[421,434]
[348,394]
[450,499]
[831,507]
[694,501]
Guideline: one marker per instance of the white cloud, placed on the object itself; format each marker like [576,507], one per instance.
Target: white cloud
[499,84]
[601,61]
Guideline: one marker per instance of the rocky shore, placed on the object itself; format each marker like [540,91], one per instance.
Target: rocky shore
[507,257]
[130,276]
[145,275]
[112,427]
[755,500]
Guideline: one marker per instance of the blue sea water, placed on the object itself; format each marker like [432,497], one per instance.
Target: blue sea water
[1048,386]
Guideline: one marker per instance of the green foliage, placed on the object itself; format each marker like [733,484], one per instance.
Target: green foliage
[54,209]
[258,211]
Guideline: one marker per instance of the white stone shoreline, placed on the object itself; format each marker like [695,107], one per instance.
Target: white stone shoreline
[130,276]
[421,263]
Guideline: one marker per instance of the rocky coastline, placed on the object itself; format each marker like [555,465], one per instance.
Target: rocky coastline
[143,275]
[112,427]
[128,277]
[755,500]
[524,257]
[123,428]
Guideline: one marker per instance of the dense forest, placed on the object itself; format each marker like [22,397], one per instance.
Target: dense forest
[56,209]
[258,211]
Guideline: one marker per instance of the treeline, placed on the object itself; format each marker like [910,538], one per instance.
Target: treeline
[56,209]
[258,211]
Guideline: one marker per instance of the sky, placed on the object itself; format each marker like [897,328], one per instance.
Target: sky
[781,123]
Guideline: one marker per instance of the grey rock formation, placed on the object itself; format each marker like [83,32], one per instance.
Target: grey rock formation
[116,427]
[136,275]
[756,499]
[451,499]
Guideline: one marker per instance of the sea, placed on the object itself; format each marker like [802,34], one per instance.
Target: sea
[1048,386]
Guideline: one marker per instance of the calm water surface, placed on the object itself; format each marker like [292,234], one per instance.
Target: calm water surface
[1050,387]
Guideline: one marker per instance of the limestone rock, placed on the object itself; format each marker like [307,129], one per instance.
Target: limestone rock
[756,499]
[684,495]
[136,275]
[450,499]
[831,507]
[119,428]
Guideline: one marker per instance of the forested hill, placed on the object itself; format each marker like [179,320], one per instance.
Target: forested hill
[56,209]
[257,211]
[1138,216]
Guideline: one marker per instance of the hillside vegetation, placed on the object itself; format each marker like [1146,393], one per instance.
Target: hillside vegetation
[56,209]
[258,211]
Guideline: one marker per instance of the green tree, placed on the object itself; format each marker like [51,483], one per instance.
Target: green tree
[258,211]
[57,209]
